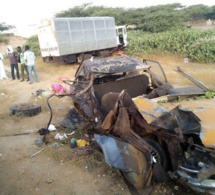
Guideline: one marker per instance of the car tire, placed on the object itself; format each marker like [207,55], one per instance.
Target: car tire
[25,109]
[158,153]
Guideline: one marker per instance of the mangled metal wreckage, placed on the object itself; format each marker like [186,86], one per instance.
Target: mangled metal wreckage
[137,136]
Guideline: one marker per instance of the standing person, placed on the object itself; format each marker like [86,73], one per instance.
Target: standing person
[20,59]
[13,62]
[29,58]
[2,68]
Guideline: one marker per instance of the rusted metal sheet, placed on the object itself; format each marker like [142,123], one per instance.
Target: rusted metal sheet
[205,111]
[149,109]
[124,157]
[191,78]
[207,134]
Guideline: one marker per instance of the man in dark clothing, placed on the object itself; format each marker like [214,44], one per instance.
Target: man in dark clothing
[13,62]
[20,59]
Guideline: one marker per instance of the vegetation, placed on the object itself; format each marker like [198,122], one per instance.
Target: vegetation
[4,27]
[33,43]
[160,29]
[207,95]
[151,19]
[195,44]
[3,40]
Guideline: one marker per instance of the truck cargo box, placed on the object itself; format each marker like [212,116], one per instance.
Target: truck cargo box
[67,36]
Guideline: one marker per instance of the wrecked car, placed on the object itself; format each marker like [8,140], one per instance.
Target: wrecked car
[143,140]
[98,81]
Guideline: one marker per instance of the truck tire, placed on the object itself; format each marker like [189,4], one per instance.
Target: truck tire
[25,109]
[44,59]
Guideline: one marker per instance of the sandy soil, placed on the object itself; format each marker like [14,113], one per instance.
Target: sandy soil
[14,41]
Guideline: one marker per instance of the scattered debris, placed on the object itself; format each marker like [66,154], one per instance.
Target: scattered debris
[82,143]
[58,88]
[54,145]
[61,136]
[39,142]
[68,134]
[37,152]
[49,181]
[51,127]
[186,60]
[73,143]
[43,131]
[36,147]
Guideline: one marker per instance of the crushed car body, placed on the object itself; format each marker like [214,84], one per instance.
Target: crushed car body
[97,78]
[176,141]
[113,98]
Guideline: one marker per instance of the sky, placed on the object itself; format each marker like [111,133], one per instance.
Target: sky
[23,13]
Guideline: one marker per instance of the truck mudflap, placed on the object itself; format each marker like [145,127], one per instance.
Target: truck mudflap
[124,157]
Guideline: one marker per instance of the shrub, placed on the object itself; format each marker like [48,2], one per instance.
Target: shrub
[33,43]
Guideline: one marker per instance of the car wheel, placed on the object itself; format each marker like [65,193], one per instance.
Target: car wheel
[25,109]
[158,153]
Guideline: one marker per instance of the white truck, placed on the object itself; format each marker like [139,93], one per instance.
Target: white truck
[68,39]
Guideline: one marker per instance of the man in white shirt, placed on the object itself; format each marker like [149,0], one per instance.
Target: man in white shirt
[29,58]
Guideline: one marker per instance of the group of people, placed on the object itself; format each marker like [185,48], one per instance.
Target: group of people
[27,64]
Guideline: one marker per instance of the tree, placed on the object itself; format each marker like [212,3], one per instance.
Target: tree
[162,18]
[152,19]
[211,13]
[197,12]
[4,27]
[77,11]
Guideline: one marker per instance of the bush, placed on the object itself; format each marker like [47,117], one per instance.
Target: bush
[33,43]
[3,40]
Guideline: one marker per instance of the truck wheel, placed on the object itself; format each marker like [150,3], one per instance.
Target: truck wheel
[44,59]
[25,109]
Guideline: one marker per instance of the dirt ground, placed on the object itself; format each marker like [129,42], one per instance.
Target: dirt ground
[58,170]
[55,170]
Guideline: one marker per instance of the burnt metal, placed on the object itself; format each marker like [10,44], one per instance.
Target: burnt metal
[113,65]
[191,78]
[102,93]
[177,118]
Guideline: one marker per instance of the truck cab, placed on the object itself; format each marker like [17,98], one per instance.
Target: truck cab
[121,36]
